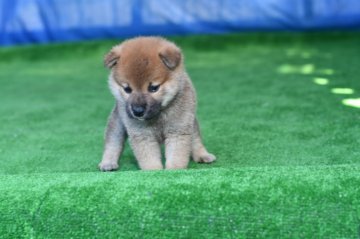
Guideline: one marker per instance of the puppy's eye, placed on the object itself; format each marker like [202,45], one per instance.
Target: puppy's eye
[153,88]
[127,89]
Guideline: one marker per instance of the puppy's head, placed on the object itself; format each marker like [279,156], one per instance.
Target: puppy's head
[145,75]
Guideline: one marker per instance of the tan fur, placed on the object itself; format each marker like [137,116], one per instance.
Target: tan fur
[168,114]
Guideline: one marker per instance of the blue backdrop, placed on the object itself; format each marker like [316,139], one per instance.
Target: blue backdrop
[39,21]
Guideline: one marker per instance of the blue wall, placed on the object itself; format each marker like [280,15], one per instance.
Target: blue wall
[40,21]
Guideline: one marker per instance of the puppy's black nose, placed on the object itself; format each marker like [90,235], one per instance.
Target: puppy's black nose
[138,110]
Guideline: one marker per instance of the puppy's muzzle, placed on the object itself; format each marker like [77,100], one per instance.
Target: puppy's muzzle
[143,111]
[138,110]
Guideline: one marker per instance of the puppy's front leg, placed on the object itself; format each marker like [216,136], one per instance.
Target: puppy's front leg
[177,151]
[147,152]
[114,142]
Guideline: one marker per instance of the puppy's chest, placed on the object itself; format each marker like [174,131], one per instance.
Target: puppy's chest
[166,125]
[163,128]
[160,130]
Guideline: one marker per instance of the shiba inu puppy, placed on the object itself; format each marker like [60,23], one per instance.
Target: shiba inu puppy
[155,104]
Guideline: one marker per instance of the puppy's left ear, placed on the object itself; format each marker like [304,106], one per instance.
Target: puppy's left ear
[170,56]
[112,58]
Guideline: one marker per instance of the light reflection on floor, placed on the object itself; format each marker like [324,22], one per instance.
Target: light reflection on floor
[306,69]
[321,81]
[342,91]
[310,69]
[352,102]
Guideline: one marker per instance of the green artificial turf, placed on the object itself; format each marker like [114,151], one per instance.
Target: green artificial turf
[271,107]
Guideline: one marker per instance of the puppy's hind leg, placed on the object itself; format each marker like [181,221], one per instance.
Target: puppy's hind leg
[199,152]
[115,136]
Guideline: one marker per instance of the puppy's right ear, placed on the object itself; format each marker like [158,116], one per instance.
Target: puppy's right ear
[112,58]
[170,56]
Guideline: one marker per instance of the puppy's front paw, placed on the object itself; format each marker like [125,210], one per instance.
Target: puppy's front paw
[108,166]
[205,158]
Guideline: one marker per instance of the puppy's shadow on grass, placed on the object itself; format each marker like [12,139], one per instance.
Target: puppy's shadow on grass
[128,161]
